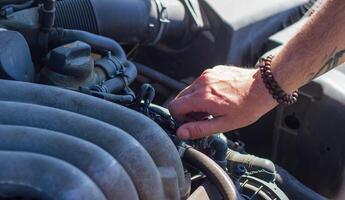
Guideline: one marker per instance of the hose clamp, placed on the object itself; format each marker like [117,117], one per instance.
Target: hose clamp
[163,19]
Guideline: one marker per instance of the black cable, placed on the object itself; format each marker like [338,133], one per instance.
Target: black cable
[213,171]
[47,15]
[46,20]
[160,78]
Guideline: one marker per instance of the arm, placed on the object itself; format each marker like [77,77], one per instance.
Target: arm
[237,97]
[318,48]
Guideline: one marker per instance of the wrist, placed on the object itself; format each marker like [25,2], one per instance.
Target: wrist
[273,87]
[280,68]
[260,95]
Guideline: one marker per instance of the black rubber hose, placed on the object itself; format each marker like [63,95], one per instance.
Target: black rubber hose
[213,171]
[49,5]
[252,163]
[220,146]
[160,78]
[99,165]
[143,129]
[22,172]
[6,2]
[116,84]
[59,37]
[47,15]
[17,7]
[63,36]
[124,148]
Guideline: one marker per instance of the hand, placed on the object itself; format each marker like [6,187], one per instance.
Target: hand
[234,97]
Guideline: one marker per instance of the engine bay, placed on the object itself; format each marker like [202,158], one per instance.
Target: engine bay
[85,85]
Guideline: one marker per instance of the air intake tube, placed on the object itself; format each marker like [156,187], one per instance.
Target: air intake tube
[127,21]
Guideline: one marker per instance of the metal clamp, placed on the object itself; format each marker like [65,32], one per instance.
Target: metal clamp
[162,15]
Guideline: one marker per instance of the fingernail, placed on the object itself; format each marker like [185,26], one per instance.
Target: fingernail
[183,133]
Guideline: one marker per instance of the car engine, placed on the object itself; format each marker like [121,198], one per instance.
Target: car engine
[85,85]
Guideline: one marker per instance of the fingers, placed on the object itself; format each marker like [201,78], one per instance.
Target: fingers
[199,82]
[195,103]
[184,105]
[187,90]
[200,129]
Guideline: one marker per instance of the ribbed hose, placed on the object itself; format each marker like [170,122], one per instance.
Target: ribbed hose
[127,21]
[24,174]
[99,165]
[149,134]
[213,171]
[124,148]
[76,13]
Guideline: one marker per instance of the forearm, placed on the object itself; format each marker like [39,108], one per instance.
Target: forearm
[316,49]
[237,97]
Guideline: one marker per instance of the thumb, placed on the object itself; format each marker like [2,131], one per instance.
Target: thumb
[200,129]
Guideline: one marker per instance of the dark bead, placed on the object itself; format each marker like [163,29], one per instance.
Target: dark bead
[281,93]
[275,85]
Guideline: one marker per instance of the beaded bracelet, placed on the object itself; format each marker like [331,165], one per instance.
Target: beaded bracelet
[271,84]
